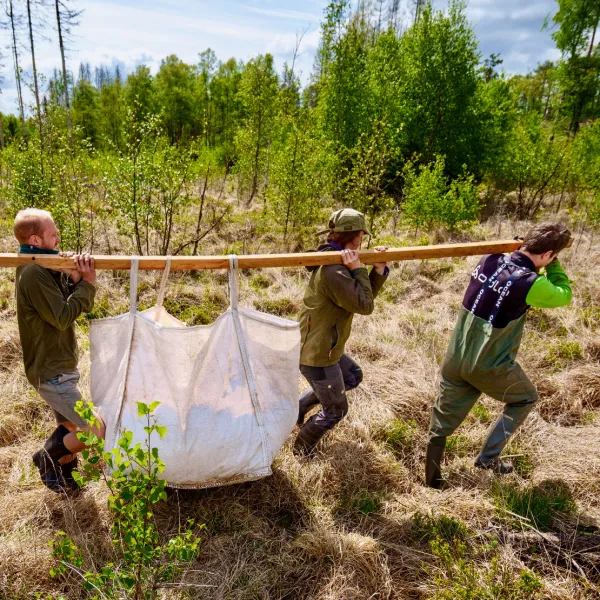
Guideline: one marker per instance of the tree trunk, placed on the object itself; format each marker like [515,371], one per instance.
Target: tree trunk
[201,211]
[35,78]
[17,69]
[64,68]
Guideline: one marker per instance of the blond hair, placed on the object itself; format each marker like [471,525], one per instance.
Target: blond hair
[30,222]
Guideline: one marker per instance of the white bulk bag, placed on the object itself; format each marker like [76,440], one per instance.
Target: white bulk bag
[228,391]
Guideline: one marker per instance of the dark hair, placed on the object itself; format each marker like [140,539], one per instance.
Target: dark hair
[546,237]
[342,237]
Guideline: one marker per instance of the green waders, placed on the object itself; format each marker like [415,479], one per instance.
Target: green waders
[480,359]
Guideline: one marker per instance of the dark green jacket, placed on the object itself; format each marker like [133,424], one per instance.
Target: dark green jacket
[333,296]
[47,306]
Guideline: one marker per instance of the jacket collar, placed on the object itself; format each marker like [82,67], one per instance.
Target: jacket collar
[521,260]
[29,249]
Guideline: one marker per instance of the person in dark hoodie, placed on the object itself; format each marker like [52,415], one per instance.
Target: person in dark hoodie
[334,295]
[481,357]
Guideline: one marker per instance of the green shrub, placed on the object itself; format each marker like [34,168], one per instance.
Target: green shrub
[145,564]
[431,201]
[467,570]
[538,504]
[460,577]
[562,352]
[195,311]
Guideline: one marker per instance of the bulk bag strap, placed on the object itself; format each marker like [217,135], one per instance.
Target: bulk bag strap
[133,292]
[233,300]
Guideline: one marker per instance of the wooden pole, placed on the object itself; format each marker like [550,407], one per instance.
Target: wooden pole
[261,261]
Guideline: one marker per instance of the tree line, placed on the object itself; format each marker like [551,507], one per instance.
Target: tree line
[410,124]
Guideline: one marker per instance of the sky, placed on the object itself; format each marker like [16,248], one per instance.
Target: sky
[132,32]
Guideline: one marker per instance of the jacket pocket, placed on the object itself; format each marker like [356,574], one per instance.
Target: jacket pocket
[335,338]
[303,343]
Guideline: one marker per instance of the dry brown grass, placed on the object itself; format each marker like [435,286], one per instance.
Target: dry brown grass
[340,526]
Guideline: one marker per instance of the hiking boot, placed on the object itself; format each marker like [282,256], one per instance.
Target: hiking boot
[50,471]
[308,438]
[47,460]
[303,447]
[496,464]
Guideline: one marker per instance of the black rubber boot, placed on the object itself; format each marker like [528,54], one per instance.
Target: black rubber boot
[46,460]
[308,438]
[306,402]
[433,472]
[497,465]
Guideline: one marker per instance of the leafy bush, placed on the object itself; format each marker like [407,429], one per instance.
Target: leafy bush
[145,564]
[466,570]
[460,577]
[431,202]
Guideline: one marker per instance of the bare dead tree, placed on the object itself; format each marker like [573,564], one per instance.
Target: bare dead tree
[66,18]
[13,23]
[1,82]
[36,90]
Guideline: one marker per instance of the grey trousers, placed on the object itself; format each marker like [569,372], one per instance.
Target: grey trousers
[328,388]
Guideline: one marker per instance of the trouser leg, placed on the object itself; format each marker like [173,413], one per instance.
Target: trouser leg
[329,388]
[351,373]
[507,423]
[455,400]
[515,389]
[305,403]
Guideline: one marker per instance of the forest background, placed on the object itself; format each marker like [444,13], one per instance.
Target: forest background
[411,125]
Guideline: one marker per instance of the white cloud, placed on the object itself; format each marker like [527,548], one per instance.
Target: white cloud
[128,32]
[286,43]
[293,15]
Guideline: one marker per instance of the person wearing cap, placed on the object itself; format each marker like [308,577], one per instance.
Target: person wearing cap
[481,357]
[334,295]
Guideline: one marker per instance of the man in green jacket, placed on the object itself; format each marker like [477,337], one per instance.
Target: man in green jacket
[481,357]
[48,303]
[334,295]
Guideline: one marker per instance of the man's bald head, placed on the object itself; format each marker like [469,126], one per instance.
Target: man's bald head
[31,222]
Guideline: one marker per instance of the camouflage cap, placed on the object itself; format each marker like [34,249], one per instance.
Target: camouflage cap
[346,220]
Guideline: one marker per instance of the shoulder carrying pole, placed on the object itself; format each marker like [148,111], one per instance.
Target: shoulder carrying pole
[262,261]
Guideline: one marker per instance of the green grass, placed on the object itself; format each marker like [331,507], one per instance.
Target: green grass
[459,445]
[481,413]
[364,502]
[563,352]
[428,527]
[539,504]
[282,307]
[399,434]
